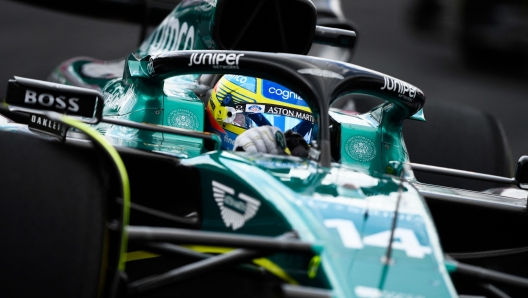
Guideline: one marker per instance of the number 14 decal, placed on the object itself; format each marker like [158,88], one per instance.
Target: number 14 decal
[350,237]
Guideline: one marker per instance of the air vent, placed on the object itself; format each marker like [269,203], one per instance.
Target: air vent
[285,26]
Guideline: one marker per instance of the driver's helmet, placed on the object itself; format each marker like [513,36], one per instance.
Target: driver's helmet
[238,103]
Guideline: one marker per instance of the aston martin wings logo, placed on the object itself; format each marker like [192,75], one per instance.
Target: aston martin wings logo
[235,211]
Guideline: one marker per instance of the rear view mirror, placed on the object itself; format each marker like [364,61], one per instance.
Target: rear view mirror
[521,173]
[40,98]
[335,37]
[34,96]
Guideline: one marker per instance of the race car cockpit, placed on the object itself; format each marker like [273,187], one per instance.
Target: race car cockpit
[241,103]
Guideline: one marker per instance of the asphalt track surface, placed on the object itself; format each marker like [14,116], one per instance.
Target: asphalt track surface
[34,41]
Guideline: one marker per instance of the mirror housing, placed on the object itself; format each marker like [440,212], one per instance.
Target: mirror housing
[38,97]
[335,37]
[521,173]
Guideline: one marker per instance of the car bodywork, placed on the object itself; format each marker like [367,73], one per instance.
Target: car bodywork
[356,208]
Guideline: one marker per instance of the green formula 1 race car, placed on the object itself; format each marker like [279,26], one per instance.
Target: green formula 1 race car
[127,181]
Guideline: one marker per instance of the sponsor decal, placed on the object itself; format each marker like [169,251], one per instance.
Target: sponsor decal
[169,36]
[41,95]
[247,83]
[360,148]
[229,140]
[237,79]
[45,124]
[405,90]
[321,73]
[216,60]
[275,91]
[182,118]
[277,110]
[235,210]
[213,106]
[239,108]
[47,100]
[285,94]
[255,108]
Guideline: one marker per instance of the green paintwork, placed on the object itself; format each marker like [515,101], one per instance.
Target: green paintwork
[450,266]
[370,142]
[345,210]
[188,26]
[75,69]
[171,103]
[297,194]
[419,116]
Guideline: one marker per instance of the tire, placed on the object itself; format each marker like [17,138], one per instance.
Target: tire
[52,219]
[465,138]
[459,137]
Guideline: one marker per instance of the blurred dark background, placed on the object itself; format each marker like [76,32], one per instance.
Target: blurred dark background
[423,42]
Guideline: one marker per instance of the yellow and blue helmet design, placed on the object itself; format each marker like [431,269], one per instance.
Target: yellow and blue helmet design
[238,103]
